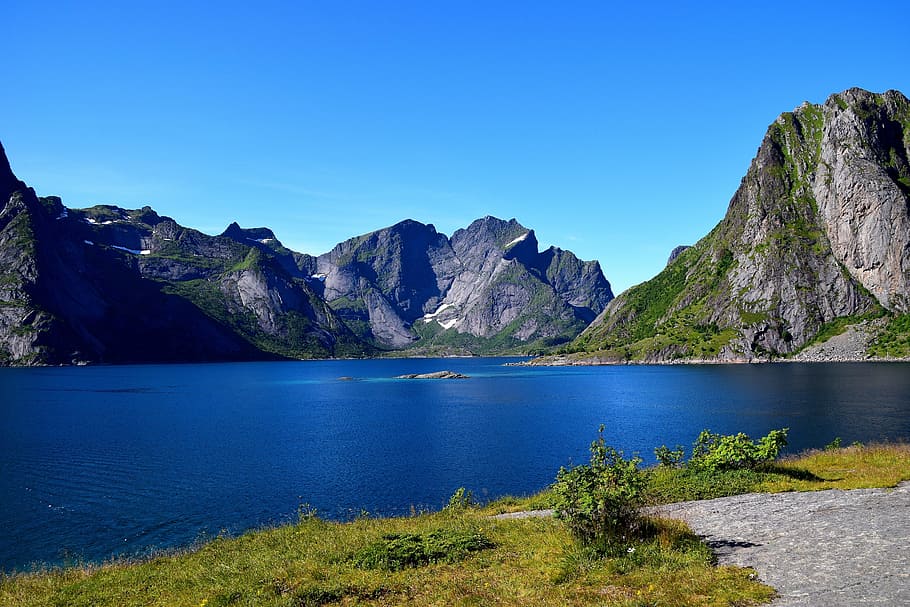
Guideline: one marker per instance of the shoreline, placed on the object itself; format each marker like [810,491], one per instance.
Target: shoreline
[594,362]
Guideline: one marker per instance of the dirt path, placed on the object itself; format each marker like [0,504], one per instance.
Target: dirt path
[823,548]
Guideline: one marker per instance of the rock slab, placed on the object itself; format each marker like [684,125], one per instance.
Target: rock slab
[826,548]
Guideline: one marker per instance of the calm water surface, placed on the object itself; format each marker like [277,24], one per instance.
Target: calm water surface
[100,461]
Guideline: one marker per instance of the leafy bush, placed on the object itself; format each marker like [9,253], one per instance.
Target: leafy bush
[670,458]
[398,551]
[718,452]
[461,500]
[599,501]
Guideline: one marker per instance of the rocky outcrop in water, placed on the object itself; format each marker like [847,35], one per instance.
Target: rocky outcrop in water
[819,230]
[433,375]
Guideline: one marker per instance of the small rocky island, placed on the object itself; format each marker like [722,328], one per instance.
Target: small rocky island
[433,375]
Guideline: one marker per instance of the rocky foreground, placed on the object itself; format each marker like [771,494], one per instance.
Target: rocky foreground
[818,549]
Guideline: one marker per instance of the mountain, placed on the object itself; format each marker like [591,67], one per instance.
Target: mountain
[109,285]
[817,237]
[106,284]
[485,289]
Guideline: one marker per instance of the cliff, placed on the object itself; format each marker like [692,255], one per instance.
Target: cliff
[818,233]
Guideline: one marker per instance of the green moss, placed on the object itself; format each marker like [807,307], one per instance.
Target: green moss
[752,318]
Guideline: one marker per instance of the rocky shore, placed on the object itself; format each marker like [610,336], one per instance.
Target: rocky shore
[850,346]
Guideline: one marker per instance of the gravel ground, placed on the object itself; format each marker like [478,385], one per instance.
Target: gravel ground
[824,548]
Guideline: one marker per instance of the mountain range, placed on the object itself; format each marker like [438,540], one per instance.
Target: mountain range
[812,254]
[111,285]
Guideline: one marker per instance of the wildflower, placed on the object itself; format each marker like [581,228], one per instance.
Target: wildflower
[630,550]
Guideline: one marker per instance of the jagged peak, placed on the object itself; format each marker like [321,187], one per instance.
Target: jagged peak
[243,235]
[499,231]
[856,97]
[9,183]
[410,225]
[492,223]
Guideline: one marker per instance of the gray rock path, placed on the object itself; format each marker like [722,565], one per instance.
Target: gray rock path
[818,549]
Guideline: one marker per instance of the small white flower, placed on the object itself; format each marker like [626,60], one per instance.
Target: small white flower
[630,550]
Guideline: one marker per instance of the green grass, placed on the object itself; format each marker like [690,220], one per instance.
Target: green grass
[461,557]
[854,467]
[518,562]
[894,339]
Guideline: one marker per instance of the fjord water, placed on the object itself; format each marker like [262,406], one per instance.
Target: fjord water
[104,461]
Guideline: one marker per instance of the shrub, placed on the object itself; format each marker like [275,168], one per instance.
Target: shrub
[460,501]
[718,452]
[599,501]
[670,458]
[398,551]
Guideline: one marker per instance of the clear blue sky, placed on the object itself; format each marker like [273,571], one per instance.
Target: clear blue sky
[616,130]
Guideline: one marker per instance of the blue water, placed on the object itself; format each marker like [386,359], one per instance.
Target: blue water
[103,461]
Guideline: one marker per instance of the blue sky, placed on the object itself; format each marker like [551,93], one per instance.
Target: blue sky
[615,131]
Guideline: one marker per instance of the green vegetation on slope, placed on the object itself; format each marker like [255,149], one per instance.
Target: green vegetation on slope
[894,340]
[669,313]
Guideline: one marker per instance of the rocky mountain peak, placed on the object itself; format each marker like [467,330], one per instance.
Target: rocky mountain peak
[9,183]
[245,235]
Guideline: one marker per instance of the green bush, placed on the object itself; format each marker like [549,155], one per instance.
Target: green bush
[460,501]
[718,452]
[670,458]
[398,551]
[600,501]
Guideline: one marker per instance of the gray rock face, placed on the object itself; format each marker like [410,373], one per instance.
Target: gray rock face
[861,188]
[819,229]
[383,281]
[408,284]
